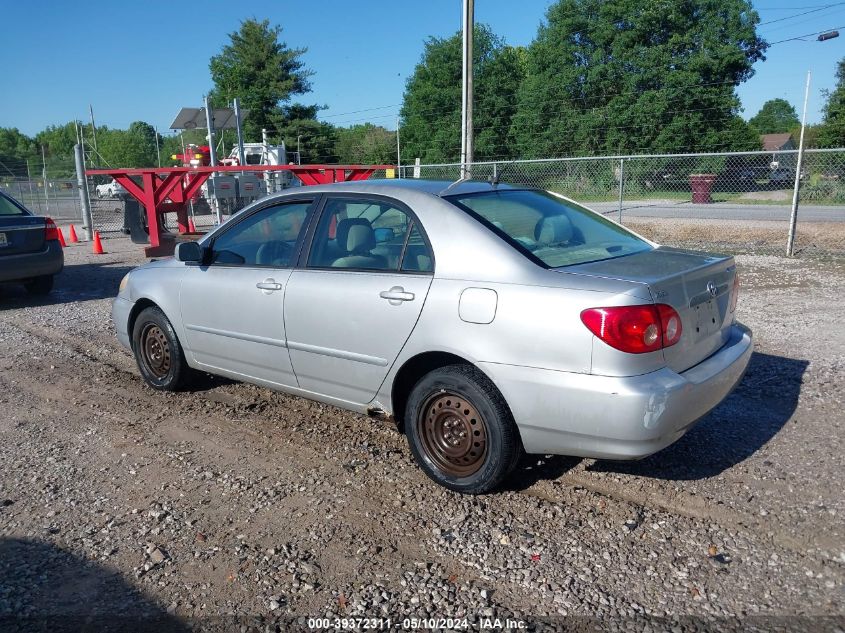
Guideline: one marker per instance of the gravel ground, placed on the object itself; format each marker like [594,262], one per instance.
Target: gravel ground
[232,507]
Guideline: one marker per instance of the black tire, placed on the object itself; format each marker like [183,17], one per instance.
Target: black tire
[40,285]
[461,431]
[158,352]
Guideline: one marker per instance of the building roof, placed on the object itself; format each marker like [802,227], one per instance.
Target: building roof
[774,142]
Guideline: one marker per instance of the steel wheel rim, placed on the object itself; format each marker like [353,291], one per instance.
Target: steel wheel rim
[453,434]
[155,350]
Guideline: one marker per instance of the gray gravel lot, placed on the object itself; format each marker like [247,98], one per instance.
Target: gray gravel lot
[230,505]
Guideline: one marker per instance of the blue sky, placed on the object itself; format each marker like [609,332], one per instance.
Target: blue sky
[145,60]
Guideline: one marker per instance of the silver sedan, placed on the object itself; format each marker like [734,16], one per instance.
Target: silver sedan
[486,319]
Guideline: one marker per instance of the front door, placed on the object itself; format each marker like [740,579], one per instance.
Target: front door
[349,312]
[232,308]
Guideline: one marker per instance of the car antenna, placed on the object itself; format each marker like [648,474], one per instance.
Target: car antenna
[454,184]
[496,177]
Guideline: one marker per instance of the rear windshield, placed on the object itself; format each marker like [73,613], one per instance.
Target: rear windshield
[550,230]
[8,207]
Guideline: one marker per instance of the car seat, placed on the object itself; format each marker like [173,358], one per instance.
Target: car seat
[553,229]
[357,238]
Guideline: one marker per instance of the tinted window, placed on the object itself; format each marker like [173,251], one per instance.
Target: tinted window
[550,229]
[7,207]
[356,233]
[266,238]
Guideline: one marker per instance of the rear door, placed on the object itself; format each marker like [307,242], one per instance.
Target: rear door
[20,231]
[232,308]
[349,311]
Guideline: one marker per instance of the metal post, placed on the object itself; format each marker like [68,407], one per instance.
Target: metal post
[44,177]
[93,128]
[212,156]
[239,130]
[298,150]
[793,217]
[398,154]
[466,99]
[621,185]
[87,222]
[32,198]
[158,148]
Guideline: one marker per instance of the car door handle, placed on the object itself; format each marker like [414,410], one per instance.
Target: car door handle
[268,285]
[396,295]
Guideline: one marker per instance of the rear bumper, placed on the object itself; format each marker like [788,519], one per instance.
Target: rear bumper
[48,261]
[617,418]
[120,310]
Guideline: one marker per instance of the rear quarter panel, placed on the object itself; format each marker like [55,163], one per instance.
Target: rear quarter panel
[533,326]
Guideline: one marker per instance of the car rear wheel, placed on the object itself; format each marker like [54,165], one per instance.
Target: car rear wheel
[40,285]
[460,430]
[158,352]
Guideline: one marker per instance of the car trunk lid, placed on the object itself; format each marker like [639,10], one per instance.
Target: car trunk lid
[21,234]
[697,285]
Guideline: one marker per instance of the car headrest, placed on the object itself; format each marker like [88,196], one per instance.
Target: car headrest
[356,235]
[553,229]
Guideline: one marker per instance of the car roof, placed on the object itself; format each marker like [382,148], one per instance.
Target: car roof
[438,188]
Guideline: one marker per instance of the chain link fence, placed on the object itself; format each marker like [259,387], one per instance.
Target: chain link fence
[730,202]
[57,198]
[734,202]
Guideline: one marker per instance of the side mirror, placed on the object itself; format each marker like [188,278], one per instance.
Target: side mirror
[189,252]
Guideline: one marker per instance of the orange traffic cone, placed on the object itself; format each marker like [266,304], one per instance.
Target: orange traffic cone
[61,238]
[98,245]
[191,227]
[72,235]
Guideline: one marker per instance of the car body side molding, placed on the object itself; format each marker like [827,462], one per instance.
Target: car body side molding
[337,353]
[238,335]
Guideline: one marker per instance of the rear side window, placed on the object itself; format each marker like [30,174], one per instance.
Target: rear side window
[7,207]
[551,231]
[364,234]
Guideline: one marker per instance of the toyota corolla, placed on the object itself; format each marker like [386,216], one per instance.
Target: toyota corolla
[487,320]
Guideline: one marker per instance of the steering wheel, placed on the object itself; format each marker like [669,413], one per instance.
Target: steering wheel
[277,253]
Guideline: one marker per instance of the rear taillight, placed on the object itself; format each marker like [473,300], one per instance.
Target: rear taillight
[735,293]
[635,329]
[51,232]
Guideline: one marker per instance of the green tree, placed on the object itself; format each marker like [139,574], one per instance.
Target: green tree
[58,139]
[776,115]
[607,76]
[133,147]
[16,150]
[366,144]
[262,71]
[832,131]
[297,124]
[431,107]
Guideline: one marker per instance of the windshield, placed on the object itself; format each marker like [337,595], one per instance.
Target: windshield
[9,207]
[551,231]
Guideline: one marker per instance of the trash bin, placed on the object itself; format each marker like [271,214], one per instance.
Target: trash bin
[701,185]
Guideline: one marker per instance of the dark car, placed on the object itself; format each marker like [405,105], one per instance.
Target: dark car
[30,251]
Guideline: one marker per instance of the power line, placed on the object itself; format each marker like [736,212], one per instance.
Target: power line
[798,37]
[790,17]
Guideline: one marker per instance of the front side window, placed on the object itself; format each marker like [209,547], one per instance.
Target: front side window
[551,231]
[8,207]
[266,238]
[366,234]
